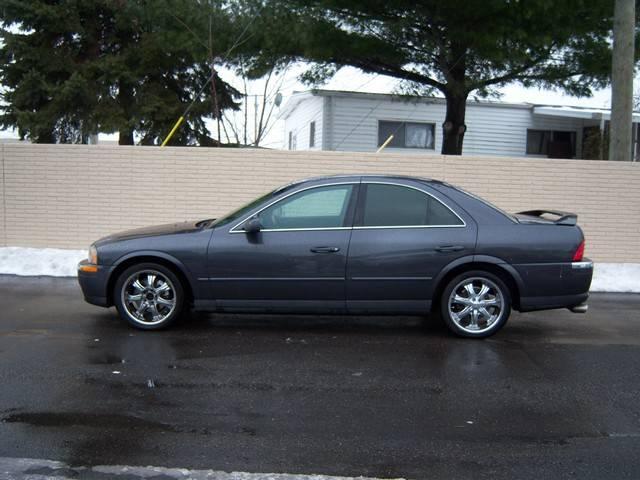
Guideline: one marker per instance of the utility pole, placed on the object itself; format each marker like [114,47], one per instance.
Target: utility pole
[624,16]
[255,120]
[246,113]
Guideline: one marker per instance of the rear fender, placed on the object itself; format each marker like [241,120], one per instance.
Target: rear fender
[504,265]
[470,260]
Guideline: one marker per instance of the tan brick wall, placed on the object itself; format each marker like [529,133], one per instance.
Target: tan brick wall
[69,195]
[3,238]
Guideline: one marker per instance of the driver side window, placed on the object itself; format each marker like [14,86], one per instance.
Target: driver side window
[320,207]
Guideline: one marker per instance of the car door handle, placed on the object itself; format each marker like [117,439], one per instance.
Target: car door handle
[325,249]
[449,248]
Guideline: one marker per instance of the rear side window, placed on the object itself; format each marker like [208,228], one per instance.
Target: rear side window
[395,206]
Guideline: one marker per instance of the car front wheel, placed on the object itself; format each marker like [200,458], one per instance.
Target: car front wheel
[475,304]
[149,296]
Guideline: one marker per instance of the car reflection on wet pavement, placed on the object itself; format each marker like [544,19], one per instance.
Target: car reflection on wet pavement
[552,395]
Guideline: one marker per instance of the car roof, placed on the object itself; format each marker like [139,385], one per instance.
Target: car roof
[364,176]
[355,177]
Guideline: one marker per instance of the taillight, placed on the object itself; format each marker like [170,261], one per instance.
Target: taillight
[577,257]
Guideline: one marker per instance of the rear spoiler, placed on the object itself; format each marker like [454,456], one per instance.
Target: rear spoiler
[564,218]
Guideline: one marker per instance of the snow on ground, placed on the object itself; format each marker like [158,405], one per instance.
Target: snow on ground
[55,262]
[36,469]
[616,277]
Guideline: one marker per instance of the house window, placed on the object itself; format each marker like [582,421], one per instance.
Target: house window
[407,134]
[292,141]
[312,134]
[553,143]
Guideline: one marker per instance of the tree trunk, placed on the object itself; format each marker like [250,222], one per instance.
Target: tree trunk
[125,100]
[453,128]
[44,137]
[125,137]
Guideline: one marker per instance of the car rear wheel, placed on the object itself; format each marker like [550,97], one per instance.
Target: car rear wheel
[149,296]
[475,304]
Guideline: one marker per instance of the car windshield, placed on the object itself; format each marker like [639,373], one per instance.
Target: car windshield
[236,214]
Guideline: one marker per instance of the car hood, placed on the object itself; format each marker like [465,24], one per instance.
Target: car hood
[153,231]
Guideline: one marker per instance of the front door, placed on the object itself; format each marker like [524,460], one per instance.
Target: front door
[296,262]
[402,238]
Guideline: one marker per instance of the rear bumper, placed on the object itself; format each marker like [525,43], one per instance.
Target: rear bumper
[582,308]
[94,284]
[557,286]
[528,304]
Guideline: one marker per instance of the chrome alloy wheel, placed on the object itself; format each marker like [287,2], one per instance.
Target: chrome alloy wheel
[149,297]
[476,304]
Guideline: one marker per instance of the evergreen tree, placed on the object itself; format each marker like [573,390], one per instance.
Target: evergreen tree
[456,47]
[72,68]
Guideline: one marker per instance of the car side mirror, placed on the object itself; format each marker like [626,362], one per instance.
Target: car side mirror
[252,225]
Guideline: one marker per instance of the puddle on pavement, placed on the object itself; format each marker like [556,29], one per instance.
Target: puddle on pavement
[105,358]
[97,420]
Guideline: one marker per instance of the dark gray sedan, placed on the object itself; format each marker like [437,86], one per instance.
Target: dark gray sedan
[348,244]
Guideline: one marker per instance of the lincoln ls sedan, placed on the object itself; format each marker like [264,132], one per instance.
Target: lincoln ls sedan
[355,244]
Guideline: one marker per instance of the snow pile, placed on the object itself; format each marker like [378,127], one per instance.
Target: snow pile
[616,277]
[32,468]
[55,262]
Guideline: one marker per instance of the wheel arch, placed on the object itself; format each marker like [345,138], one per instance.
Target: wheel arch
[494,265]
[161,258]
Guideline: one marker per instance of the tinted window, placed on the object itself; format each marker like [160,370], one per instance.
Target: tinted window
[553,143]
[236,214]
[322,207]
[394,205]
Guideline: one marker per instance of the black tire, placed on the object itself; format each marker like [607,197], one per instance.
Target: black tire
[149,322]
[497,289]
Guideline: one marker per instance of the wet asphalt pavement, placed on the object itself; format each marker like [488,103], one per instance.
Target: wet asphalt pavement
[554,394]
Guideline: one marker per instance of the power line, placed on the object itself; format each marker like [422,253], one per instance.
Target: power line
[375,107]
[211,77]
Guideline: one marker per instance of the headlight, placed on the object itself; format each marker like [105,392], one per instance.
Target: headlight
[93,255]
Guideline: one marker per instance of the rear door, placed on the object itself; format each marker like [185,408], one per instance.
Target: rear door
[404,234]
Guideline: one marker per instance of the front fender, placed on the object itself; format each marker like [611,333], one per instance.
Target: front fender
[149,255]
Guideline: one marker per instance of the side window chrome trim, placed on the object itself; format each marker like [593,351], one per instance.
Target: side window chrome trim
[367,182]
[310,229]
[233,229]
[383,227]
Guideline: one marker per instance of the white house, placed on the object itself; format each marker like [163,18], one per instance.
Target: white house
[352,121]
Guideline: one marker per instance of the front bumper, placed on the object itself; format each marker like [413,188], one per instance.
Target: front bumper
[94,284]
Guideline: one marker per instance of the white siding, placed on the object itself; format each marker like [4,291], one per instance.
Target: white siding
[355,121]
[502,130]
[491,129]
[299,121]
